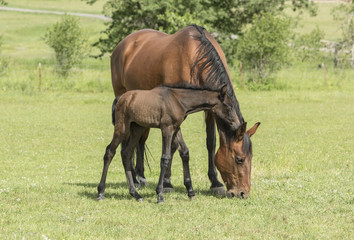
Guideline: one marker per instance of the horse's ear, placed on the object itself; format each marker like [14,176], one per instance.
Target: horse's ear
[223,92]
[241,131]
[253,130]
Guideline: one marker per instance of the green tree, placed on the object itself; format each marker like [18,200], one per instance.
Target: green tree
[68,42]
[226,18]
[345,48]
[264,46]
[132,15]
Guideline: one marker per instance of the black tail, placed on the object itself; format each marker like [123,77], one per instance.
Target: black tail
[114,110]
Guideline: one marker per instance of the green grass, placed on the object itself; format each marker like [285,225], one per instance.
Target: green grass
[23,34]
[51,161]
[59,5]
[323,19]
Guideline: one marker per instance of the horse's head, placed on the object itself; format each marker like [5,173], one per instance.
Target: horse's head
[225,110]
[233,161]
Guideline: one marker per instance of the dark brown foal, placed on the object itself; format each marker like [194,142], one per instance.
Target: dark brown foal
[165,108]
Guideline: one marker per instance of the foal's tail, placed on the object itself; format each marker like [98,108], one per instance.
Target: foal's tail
[114,110]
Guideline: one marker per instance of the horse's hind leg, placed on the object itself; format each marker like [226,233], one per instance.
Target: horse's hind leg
[216,186]
[184,153]
[126,153]
[107,159]
[139,168]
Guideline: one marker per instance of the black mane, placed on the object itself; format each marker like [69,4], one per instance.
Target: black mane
[191,87]
[208,57]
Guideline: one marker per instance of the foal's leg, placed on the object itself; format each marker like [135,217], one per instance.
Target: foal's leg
[184,153]
[110,152]
[126,153]
[216,186]
[167,185]
[167,135]
[139,168]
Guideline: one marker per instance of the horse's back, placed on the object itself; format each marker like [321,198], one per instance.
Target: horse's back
[148,58]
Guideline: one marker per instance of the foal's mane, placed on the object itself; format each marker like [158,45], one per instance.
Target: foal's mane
[208,57]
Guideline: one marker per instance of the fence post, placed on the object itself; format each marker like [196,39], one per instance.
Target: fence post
[39,76]
[325,74]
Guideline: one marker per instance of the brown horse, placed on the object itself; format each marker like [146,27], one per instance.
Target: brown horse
[164,108]
[148,58]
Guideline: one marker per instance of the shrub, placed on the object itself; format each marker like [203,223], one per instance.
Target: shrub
[307,46]
[264,47]
[69,43]
[344,50]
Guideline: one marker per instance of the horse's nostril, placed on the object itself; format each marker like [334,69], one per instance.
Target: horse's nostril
[242,194]
[230,194]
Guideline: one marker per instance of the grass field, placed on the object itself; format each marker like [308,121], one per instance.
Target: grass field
[53,141]
[59,5]
[51,161]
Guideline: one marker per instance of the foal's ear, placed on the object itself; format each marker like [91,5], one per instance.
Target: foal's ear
[253,130]
[223,92]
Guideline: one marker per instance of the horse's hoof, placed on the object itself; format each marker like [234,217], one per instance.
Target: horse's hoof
[167,190]
[142,181]
[191,198]
[167,187]
[160,199]
[218,191]
[137,196]
[100,197]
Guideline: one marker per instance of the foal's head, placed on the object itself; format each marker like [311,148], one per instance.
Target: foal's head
[233,160]
[225,110]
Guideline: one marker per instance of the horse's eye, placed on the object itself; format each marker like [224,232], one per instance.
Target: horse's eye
[239,160]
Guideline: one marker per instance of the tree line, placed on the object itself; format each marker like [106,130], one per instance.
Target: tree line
[256,33]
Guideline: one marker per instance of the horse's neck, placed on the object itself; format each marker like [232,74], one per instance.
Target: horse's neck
[197,100]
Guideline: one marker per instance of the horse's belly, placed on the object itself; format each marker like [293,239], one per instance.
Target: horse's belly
[145,110]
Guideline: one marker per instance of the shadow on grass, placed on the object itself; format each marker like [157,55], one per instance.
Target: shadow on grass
[91,190]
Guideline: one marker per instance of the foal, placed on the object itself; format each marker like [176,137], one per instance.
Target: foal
[165,108]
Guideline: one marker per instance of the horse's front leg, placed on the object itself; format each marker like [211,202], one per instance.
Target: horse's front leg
[216,186]
[107,159]
[167,135]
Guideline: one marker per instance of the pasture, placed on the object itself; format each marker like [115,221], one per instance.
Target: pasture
[51,161]
[53,141]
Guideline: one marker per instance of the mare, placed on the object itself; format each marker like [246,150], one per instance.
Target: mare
[148,58]
[165,108]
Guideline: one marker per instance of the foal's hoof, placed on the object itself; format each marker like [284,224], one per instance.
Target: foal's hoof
[167,187]
[137,197]
[100,197]
[160,198]
[218,191]
[142,181]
